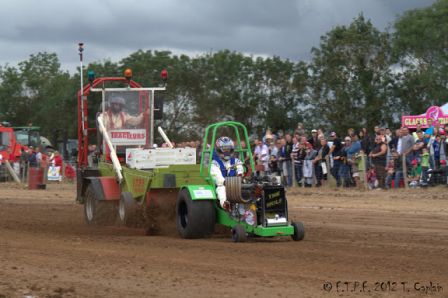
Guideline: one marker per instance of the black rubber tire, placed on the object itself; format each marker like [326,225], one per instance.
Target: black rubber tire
[299,231]
[98,212]
[239,233]
[194,219]
[127,210]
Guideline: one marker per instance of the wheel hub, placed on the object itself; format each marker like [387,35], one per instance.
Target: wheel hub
[121,210]
[89,209]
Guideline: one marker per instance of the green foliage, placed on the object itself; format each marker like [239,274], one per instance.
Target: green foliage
[13,102]
[38,92]
[351,77]
[423,34]
[420,45]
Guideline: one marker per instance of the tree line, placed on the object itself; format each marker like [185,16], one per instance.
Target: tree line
[358,76]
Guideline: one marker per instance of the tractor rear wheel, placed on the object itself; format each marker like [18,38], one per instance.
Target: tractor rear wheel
[239,233]
[299,231]
[194,219]
[96,211]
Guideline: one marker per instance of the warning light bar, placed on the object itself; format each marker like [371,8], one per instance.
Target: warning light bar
[128,74]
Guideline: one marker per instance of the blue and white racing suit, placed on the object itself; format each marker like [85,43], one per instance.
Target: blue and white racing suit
[220,169]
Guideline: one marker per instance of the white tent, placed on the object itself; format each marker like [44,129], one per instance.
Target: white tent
[445,108]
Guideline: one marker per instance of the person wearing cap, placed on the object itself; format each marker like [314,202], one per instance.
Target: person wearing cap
[314,140]
[268,138]
[116,118]
[352,151]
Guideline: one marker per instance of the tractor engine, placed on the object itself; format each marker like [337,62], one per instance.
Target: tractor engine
[257,201]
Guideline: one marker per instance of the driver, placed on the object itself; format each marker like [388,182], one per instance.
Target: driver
[224,164]
[115,118]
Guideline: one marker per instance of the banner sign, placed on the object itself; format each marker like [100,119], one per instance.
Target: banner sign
[127,137]
[434,112]
[54,173]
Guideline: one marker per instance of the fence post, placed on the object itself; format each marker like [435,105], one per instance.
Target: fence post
[11,171]
[63,171]
[293,170]
[330,178]
[364,173]
[405,171]
[27,173]
[45,169]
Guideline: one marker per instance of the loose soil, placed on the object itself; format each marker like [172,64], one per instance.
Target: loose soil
[400,236]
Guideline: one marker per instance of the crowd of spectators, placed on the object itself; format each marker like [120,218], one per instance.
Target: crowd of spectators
[379,159]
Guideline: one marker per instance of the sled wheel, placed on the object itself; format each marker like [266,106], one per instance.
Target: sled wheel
[96,211]
[127,209]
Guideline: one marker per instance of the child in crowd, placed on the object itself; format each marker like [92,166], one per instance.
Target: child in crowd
[372,181]
[308,166]
[390,173]
[415,173]
[424,166]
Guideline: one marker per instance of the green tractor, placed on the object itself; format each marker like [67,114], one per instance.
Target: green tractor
[258,206]
[126,180]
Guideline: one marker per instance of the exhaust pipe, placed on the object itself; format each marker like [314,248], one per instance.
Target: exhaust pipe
[165,138]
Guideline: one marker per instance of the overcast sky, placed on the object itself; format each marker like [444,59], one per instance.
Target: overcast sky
[114,29]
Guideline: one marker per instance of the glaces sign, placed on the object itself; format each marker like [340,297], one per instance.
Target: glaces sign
[125,137]
[434,112]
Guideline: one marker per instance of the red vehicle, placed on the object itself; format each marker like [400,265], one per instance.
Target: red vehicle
[10,149]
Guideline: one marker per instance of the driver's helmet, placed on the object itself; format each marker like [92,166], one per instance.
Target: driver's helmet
[225,148]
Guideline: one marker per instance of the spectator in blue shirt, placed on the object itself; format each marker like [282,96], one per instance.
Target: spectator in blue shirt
[430,129]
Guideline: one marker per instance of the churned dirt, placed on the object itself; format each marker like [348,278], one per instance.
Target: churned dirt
[382,243]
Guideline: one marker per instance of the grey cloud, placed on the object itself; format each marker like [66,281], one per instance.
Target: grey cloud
[113,29]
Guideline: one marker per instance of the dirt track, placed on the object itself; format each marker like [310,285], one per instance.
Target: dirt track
[46,250]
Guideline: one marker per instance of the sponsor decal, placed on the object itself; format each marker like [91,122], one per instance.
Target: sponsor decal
[123,137]
[203,193]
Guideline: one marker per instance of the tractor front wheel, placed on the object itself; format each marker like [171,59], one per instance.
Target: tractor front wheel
[96,211]
[239,233]
[299,231]
[194,219]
